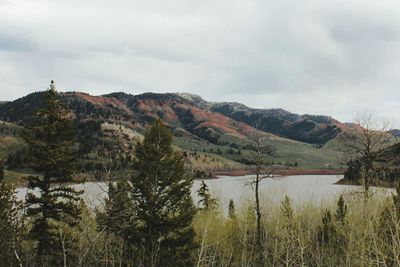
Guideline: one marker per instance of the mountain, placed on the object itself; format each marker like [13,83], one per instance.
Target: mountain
[196,100]
[307,128]
[215,136]
[186,111]
[314,129]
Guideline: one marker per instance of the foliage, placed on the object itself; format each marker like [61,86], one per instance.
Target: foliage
[341,211]
[298,235]
[231,209]
[385,168]
[206,201]
[50,141]
[9,222]
[116,220]
[161,201]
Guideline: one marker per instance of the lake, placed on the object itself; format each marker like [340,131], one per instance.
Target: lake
[318,189]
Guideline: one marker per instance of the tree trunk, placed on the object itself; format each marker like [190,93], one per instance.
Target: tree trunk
[258,211]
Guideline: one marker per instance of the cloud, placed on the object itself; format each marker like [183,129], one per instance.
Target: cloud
[323,57]
[15,43]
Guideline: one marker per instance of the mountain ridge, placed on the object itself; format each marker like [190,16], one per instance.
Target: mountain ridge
[306,128]
[210,139]
[173,107]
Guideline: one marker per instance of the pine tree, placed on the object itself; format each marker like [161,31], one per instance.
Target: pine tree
[115,220]
[231,209]
[162,202]
[206,201]
[341,211]
[327,231]
[50,141]
[8,222]
[341,228]
[287,210]
[115,217]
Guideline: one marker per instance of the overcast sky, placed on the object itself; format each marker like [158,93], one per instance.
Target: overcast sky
[318,57]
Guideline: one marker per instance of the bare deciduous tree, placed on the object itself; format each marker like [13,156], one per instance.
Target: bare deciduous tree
[365,141]
[260,147]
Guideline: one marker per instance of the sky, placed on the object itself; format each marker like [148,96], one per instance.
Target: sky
[318,57]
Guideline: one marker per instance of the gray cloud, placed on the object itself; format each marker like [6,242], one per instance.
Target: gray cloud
[14,43]
[323,57]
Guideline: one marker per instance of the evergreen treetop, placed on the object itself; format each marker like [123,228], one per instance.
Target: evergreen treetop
[50,139]
[206,201]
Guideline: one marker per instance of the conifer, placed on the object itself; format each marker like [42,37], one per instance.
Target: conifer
[231,209]
[341,211]
[161,200]
[49,201]
[206,201]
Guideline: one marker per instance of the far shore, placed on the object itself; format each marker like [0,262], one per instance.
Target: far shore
[280,172]
[345,181]
[241,172]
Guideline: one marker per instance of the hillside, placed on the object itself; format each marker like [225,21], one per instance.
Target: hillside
[314,129]
[10,139]
[215,136]
[386,168]
[306,128]
[185,111]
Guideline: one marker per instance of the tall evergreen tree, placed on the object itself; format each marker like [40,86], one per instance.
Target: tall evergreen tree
[161,198]
[206,201]
[8,222]
[50,201]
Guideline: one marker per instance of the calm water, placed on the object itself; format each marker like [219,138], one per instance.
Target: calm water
[317,189]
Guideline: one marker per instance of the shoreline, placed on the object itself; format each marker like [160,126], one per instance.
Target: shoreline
[240,172]
[280,172]
[345,181]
